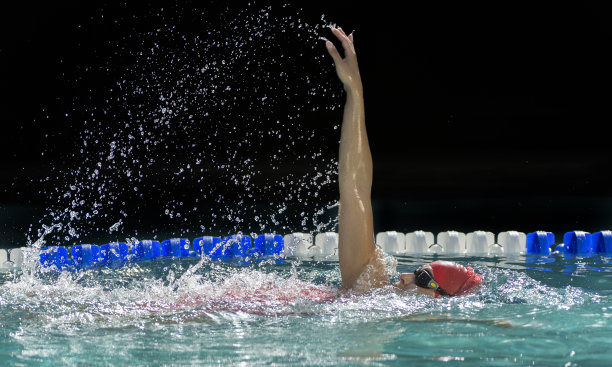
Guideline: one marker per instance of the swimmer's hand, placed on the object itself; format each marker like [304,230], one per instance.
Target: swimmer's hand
[347,68]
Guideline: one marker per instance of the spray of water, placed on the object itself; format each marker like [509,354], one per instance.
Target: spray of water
[197,122]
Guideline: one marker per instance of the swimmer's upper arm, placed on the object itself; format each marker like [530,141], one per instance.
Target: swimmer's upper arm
[356,246]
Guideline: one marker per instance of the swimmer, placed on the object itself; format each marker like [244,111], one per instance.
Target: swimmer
[362,266]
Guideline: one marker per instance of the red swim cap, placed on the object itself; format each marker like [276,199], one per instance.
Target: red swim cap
[453,278]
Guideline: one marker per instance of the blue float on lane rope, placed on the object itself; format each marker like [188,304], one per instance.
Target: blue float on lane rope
[85,256]
[175,247]
[147,249]
[539,243]
[54,256]
[578,243]
[269,244]
[208,245]
[602,242]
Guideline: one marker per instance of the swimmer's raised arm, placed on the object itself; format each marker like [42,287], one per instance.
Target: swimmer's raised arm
[356,248]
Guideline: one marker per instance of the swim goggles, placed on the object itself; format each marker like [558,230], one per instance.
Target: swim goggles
[423,279]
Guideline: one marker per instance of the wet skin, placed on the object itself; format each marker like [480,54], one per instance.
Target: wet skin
[407,283]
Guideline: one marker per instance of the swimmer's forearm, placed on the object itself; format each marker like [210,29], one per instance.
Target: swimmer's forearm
[355,158]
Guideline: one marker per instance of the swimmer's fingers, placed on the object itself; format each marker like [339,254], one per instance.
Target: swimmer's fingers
[347,42]
[350,36]
[340,35]
[333,52]
[346,67]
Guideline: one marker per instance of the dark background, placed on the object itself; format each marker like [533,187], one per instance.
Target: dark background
[490,117]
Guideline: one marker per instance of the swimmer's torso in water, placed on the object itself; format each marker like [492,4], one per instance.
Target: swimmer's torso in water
[253,292]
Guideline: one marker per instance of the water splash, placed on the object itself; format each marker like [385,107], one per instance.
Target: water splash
[212,122]
[150,291]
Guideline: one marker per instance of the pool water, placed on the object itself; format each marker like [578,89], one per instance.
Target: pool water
[530,311]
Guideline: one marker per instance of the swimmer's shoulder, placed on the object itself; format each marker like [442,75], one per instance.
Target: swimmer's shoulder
[375,274]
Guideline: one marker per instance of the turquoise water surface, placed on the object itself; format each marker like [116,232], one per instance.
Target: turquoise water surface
[549,311]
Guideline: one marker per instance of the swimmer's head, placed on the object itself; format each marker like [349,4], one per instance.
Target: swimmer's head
[414,281]
[441,278]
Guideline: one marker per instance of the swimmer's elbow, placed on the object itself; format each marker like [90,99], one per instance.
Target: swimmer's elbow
[357,180]
[359,190]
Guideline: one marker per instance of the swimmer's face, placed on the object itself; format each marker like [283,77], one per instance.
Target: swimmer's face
[407,282]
